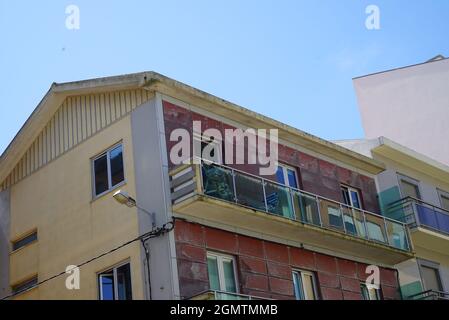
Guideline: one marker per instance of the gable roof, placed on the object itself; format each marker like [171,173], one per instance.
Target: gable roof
[156,82]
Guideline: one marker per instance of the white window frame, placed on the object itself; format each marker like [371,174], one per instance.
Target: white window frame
[401,177]
[107,152]
[285,168]
[301,273]
[221,277]
[349,188]
[114,275]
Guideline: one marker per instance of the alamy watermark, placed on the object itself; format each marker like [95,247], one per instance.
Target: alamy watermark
[72,21]
[372,21]
[261,147]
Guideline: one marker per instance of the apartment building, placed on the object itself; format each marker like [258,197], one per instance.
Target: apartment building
[415,189]
[308,231]
[408,105]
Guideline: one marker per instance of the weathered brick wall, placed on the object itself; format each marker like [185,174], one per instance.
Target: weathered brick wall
[265,268]
[316,175]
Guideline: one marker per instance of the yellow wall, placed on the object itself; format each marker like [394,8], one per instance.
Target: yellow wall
[72,228]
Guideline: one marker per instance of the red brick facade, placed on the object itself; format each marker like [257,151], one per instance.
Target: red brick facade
[265,268]
[315,175]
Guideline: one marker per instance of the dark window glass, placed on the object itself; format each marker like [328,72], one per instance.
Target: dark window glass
[117,175]
[24,241]
[124,283]
[24,285]
[101,174]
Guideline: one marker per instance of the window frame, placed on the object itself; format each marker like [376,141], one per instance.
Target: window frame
[430,265]
[107,152]
[442,194]
[378,291]
[25,285]
[221,277]
[359,195]
[218,146]
[285,168]
[301,273]
[113,269]
[22,237]
[402,177]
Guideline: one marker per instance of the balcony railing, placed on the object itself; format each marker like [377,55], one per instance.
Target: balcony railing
[222,295]
[418,213]
[430,295]
[238,187]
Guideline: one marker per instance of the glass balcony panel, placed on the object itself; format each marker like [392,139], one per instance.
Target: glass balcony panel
[427,216]
[397,235]
[443,221]
[349,221]
[306,208]
[217,182]
[359,220]
[249,191]
[331,214]
[279,200]
[376,228]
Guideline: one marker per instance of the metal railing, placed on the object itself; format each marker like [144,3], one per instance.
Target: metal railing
[223,295]
[245,189]
[418,213]
[430,295]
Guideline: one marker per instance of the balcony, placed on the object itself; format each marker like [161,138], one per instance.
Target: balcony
[430,295]
[429,223]
[221,295]
[225,195]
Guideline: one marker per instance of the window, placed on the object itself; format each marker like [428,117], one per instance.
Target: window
[304,285]
[17,244]
[444,199]
[25,285]
[409,187]
[351,197]
[430,275]
[108,170]
[115,284]
[222,273]
[210,148]
[370,293]
[287,175]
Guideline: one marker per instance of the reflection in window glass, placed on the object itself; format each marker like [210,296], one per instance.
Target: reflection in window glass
[228,270]
[116,156]
[445,202]
[101,174]
[409,189]
[212,269]
[292,179]
[108,170]
[280,175]
[107,286]
[431,278]
[370,293]
[124,282]
[115,284]
[304,285]
[221,273]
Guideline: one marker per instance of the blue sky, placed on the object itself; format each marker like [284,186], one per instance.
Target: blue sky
[291,60]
